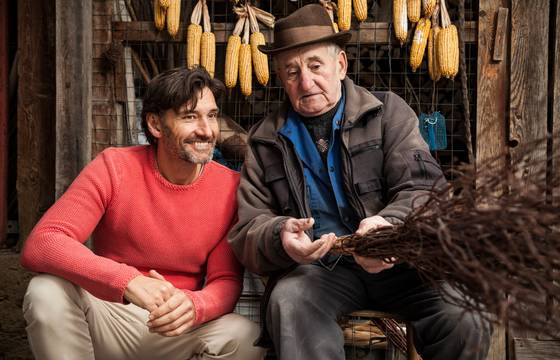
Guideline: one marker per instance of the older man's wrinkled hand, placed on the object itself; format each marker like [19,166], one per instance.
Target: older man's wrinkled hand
[299,246]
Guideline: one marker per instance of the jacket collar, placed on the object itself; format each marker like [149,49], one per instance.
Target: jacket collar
[358,101]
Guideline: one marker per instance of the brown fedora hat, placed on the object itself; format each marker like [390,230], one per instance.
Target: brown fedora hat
[308,25]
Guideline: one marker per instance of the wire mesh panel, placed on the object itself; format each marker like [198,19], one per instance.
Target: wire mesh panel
[376,61]
[130,51]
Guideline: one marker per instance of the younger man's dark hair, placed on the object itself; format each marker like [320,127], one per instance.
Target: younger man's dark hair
[172,89]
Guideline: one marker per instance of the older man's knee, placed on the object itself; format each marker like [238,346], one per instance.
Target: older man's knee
[291,295]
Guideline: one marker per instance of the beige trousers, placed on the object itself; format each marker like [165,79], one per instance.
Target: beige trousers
[66,322]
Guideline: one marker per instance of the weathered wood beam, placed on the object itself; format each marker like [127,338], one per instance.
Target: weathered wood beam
[529,80]
[73,89]
[556,98]
[36,111]
[492,80]
[145,31]
[492,77]
[4,66]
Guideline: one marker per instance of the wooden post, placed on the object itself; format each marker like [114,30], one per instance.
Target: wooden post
[528,104]
[73,89]
[491,108]
[491,87]
[4,66]
[556,99]
[529,80]
[36,111]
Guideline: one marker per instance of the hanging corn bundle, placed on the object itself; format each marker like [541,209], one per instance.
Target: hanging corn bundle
[400,20]
[419,42]
[207,43]
[433,66]
[164,3]
[447,45]
[428,7]
[331,7]
[245,71]
[232,54]
[260,61]
[413,8]
[159,15]
[194,35]
[249,55]
[344,14]
[173,17]
[492,233]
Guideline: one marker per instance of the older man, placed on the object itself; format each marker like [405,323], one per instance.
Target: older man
[333,160]
[159,216]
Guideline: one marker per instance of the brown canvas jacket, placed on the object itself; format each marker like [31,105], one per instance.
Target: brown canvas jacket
[386,167]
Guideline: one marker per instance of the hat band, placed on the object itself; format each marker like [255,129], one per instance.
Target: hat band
[301,34]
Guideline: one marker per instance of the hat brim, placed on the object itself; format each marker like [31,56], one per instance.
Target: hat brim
[340,38]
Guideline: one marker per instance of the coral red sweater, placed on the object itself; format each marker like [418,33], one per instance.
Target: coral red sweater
[140,221]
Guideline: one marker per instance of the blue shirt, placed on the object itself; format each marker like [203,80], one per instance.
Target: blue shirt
[324,191]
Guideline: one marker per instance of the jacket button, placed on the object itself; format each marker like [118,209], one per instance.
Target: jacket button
[331,169]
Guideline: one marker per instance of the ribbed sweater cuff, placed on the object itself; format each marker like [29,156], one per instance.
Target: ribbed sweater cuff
[198,302]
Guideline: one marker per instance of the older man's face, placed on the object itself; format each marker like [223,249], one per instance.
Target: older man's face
[311,76]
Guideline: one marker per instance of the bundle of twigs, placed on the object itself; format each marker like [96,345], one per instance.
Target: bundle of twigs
[494,235]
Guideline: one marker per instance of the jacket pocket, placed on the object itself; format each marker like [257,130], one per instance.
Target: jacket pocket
[423,168]
[370,193]
[277,182]
[367,160]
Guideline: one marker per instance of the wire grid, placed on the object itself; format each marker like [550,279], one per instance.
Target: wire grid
[379,66]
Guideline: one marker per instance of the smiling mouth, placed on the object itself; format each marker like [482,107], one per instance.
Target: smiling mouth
[201,145]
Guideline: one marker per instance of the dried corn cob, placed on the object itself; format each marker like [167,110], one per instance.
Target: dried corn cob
[428,7]
[413,10]
[194,35]
[447,45]
[208,52]
[400,22]
[163,3]
[232,55]
[419,42]
[433,66]
[245,76]
[173,17]
[207,44]
[260,61]
[344,14]
[159,15]
[360,9]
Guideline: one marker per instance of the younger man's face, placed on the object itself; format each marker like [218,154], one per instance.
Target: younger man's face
[191,134]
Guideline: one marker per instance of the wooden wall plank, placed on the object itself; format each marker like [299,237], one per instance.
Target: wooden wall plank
[531,349]
[491,92]
[36,111]
[73,89]
[106,85]
[529,81]
[556,100]
[4,66]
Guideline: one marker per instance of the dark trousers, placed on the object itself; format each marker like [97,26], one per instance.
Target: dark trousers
[305,304]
